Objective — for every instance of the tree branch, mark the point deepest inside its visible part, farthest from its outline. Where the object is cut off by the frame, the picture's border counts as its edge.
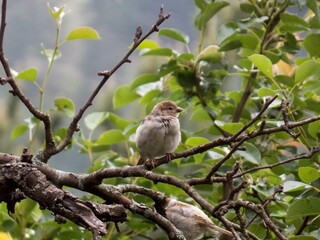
(33, 183)
(16, 91)
(73, 127)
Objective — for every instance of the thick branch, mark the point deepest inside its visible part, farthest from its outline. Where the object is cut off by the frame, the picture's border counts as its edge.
(33, 183)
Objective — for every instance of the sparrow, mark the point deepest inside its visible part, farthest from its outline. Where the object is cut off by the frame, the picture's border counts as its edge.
(159, 132)
(190, 220)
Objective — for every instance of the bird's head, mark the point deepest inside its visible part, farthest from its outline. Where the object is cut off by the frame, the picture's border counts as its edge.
(166, 108)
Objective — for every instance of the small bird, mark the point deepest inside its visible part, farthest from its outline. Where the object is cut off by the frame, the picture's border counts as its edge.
(190, 220)
(159, 132)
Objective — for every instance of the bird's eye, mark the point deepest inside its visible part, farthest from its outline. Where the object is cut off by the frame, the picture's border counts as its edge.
(170, 108)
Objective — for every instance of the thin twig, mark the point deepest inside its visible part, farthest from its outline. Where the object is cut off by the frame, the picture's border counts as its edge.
(309, 154)
(16, 91)
(73, 127)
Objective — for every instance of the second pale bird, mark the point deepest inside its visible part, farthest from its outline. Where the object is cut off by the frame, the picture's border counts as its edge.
(159, 132)
(191, 221)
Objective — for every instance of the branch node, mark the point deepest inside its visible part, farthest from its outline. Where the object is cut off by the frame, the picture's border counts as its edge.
(106, 74)
(13, 92)
(3, 81)
(138, 34)
(26, 157)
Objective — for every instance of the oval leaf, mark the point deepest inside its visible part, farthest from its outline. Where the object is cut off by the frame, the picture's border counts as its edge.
(208, 11)
(251, 154)
(121, 123)
(304, 207)
(229, 127)
(306, 70)
(195, 141)
(18, 131)
(29, 74)
(262, 63)
(293, 186)
(123, 96)
(111, 137)
(94, 119)
(311, 43)
(143, 79)
(210, 54)
(147, 43)
(200, 115)
(165, 52)
(149, 96)
(308, 174)
(314, 129)
(83, 33)
(174, 34)
(65, 105)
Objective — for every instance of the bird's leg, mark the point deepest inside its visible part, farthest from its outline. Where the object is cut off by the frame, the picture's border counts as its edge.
(169, 156)
(150, 164)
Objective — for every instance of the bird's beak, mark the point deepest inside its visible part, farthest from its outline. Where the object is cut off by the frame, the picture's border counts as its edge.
(179, 110)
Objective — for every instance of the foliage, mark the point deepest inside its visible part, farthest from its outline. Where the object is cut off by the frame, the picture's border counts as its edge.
(273, 50)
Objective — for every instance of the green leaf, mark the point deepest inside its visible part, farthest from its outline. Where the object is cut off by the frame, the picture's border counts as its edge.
(208, 12)
(174, 34)
(29, 209)
(18, 131)
(314, 129)
(266, 92)
(111, 137)
(210, 54)
(56, 13)
(93, 120)
(149, 96)
(313, 5)
(143, 79)
(262, 63)
(251, 154)
(29, 74)
(306, 70)
(304, 207)
(121, 123)
(123, 96)
(165, 52)
(312, 43)
(195, 141)
(83, 33)
(303, 238)
(294, 186)
(60, 134)
(50, 54)
(308, 174)
(247, 40)
(200, 115)
(147, 44)
(292, 23)
(229, 127)
(201, 4)
(65, 105)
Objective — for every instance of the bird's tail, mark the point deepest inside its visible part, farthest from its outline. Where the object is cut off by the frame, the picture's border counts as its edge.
(214, 228)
